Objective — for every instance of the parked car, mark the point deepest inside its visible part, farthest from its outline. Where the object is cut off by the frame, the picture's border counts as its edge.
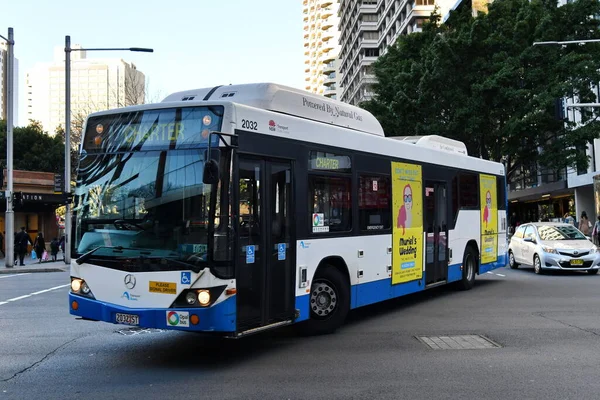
(551, 245)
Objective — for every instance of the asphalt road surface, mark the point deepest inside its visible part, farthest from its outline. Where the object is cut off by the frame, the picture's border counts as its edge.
(547, 327)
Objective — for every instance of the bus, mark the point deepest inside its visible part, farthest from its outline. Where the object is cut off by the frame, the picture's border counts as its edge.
(242, 208)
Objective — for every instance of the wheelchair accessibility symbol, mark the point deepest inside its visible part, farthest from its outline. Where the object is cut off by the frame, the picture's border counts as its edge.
(186, 278)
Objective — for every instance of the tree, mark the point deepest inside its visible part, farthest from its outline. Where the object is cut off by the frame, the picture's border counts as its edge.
(480, 80)
(34, 149)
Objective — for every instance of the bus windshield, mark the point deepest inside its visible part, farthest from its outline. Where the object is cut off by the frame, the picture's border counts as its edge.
(139, 198)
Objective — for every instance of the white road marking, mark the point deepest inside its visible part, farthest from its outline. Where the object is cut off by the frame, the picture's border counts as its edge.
(500, 275)
(33, 294)
(9, 276)
(489, 272)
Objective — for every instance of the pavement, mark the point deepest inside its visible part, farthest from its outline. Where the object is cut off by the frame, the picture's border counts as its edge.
(34, 266)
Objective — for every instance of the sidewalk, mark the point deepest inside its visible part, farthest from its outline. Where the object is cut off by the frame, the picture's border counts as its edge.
(34, 266)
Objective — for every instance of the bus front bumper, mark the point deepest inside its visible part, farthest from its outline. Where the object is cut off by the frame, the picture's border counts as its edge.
(217, 318)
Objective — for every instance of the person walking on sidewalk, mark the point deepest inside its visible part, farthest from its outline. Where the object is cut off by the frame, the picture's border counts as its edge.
(21, 241)
(40, 246)
(54, 248)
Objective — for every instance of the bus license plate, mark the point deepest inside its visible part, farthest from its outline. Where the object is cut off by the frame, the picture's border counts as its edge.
(576, 262)
(127, 319)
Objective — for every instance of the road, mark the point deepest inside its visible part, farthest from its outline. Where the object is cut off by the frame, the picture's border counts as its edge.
(548, 328)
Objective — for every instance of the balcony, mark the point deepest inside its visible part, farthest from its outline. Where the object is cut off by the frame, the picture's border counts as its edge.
(330, 90)
(328, 68)
(330, 79)
(326, 3)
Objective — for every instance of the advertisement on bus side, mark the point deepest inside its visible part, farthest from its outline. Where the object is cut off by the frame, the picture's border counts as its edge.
(407, 236)
(489, 218)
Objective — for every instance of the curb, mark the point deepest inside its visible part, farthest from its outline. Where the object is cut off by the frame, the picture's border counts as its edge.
(24, 271)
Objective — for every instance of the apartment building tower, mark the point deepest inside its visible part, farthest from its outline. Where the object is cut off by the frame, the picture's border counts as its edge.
(321, 46)
(96, 84)
(367, 29)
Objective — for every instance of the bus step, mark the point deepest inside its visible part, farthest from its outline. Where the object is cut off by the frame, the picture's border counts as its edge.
(263, 328)
(432, 285)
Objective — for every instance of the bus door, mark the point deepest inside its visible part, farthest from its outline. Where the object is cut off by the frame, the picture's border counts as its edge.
(265, 267)
(436, 232)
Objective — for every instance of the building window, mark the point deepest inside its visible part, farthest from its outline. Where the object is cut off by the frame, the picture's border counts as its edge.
(330, 204)
(374, 203)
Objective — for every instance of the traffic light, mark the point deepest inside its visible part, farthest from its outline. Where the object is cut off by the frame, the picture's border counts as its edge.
(559, 109)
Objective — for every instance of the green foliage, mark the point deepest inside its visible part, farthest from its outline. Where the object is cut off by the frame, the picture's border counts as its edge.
(33, 149)
(481, 81)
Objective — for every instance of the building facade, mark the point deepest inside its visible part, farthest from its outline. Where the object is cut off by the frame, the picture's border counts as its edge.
(96, 84)
(321, 47)
(367, 29)
(4, 85)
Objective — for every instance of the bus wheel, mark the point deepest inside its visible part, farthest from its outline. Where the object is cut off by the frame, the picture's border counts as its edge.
(469, 269)
(329, 302)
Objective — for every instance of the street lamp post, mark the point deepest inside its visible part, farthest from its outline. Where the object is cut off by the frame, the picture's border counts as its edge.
(68, 50)
(9, 220)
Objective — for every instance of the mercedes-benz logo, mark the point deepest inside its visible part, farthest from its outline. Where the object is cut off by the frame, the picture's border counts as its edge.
(129, 281)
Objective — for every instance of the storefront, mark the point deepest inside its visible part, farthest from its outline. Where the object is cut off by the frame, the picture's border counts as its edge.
(549, 202)
(34, 206)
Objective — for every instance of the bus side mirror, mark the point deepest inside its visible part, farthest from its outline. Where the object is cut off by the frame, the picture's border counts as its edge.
(210, 175)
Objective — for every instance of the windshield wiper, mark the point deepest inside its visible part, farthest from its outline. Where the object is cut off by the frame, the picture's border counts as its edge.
(86, 256)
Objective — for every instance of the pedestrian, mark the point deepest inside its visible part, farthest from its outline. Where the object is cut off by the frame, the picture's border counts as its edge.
(2, 244)
(569, 219)
(22, 240)
(596, 232)
(54, 248)
(585, 224)
(40, 246)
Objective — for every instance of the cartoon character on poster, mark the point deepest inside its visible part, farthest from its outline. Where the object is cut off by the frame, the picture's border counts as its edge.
(405, 212)
(488, 208)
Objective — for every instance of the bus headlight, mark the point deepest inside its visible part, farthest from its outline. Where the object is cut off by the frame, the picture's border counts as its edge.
(204, 297)
(76, 285)
(81, 288)
(190, 298)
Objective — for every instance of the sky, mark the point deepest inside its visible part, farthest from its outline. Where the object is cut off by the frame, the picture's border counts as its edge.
(197, 43)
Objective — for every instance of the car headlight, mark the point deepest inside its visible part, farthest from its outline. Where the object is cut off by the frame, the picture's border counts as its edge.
(549, 250)
(594, 250)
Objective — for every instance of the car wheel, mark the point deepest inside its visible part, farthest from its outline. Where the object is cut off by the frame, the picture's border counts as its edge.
(329, 302)
(511, 261)
(537, 265)
(592, 271)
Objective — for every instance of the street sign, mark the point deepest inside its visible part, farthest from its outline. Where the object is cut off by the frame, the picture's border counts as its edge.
(58, 183)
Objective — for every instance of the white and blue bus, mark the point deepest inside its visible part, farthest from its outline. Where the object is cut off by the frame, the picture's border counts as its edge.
(237, 209)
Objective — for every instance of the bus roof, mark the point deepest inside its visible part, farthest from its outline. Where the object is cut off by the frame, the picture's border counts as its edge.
(286, 100)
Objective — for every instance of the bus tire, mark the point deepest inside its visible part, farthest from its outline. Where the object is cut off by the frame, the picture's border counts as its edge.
(329, 302)
(469, 269)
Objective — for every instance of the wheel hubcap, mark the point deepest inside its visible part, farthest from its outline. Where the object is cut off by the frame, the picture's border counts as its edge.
(537, 264)
(323, 299)
(512, 259)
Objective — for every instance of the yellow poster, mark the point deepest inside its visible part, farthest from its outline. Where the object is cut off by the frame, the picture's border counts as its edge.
(489, 218)
(407, 236)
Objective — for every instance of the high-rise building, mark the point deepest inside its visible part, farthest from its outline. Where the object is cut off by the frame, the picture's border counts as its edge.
(4, 85)
(367, 29)
(96, 84)
(321, 46)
